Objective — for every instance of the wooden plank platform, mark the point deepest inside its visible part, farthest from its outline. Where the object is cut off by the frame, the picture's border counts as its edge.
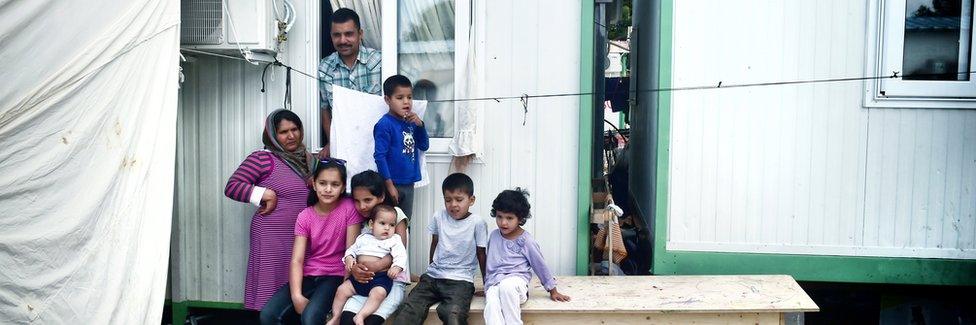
(726, 299)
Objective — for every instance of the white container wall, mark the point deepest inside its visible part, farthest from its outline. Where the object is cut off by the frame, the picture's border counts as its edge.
(221, 115)
(222, 112)
(541, 155)
(806, 169)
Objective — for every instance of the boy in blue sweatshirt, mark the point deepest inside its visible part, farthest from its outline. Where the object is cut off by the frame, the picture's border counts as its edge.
(399, 136)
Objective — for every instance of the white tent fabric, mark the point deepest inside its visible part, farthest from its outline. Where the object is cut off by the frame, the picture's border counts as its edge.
(353, 117)
(87, 158)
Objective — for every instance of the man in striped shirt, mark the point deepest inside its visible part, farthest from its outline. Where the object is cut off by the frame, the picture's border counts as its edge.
(352, 65)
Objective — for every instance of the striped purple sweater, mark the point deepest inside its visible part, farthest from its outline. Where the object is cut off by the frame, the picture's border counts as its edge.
(252, 171)
(271, 235)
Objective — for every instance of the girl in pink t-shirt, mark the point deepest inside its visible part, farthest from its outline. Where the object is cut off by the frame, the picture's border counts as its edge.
(323, 231)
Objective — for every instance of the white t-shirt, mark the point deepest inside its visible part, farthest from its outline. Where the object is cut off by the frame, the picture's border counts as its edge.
(455, 257)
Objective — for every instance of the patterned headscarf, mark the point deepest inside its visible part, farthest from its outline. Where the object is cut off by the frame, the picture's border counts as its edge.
(300, 160)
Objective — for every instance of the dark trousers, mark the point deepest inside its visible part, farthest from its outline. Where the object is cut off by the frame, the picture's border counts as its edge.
(347, 317)
(454, 297)
(320, 290)
(406, 199)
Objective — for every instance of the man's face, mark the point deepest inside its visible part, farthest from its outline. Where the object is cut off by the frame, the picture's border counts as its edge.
(346, 38)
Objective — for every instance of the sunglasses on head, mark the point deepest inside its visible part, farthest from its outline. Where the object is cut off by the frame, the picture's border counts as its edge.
(335, 160)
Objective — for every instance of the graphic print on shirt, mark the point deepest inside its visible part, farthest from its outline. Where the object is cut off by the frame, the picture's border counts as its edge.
(408, 144)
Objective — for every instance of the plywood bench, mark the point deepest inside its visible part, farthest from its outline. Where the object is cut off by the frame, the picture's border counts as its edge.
(732, 299)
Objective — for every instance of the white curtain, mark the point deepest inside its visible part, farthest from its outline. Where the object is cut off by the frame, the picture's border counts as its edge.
(370, 18)
(467, 139)
(87, 154)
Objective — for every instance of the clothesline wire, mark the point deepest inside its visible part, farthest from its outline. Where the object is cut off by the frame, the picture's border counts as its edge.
(720, 85)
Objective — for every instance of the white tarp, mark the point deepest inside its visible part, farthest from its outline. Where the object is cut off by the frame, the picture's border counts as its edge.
(353, 116)
(87, 154)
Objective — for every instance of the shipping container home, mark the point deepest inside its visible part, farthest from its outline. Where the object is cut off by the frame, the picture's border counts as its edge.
(518, 47)
(867, 180)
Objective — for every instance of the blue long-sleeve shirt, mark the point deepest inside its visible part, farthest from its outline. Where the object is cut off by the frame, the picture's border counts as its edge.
(397, 149)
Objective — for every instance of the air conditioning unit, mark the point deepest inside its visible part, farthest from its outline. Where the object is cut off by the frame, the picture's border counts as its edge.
(253, 29)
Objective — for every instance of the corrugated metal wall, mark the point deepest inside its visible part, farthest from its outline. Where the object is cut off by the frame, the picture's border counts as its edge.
(806, 169)
(222, 111)
(221, 115)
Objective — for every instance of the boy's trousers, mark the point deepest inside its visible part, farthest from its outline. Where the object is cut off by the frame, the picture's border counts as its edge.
(406, 199)
(454, 298)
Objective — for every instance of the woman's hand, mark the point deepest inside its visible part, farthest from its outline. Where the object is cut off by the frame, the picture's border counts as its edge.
(268, 201)
(300, 303)
(361, 273)
(556, 296)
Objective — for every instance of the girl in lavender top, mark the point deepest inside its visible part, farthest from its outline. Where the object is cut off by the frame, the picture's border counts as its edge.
(512, 257)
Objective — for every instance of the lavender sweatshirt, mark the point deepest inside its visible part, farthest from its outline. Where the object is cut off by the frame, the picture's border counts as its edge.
(518, 257)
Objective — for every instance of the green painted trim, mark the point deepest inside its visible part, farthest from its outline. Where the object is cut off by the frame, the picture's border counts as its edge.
(823, 268)
(179, 313)
(663, 138)
(802, 267)
(585, 134)
(213, 304)
(181, 309)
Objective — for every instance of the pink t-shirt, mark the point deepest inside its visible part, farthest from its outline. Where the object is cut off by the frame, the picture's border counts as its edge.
(326, 237)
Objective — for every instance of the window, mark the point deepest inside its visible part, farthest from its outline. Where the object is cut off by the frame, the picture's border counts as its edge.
(426, 55)
(929, 44)
(417, 40)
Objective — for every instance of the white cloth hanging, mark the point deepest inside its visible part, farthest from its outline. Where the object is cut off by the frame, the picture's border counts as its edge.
(468, 138)
(353, 117)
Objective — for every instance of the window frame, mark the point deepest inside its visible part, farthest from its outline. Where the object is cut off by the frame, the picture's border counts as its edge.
(884, 54)
(390, 39)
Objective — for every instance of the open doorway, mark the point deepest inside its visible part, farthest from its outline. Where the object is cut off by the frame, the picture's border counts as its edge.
(621, 238)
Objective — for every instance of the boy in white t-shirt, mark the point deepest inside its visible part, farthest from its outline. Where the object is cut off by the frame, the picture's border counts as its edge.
(457, 248)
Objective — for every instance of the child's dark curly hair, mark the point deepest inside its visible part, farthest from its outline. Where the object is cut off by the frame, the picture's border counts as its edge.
(513, 201)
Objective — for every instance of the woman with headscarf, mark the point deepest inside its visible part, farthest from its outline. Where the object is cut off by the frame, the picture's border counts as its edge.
(276, 180)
